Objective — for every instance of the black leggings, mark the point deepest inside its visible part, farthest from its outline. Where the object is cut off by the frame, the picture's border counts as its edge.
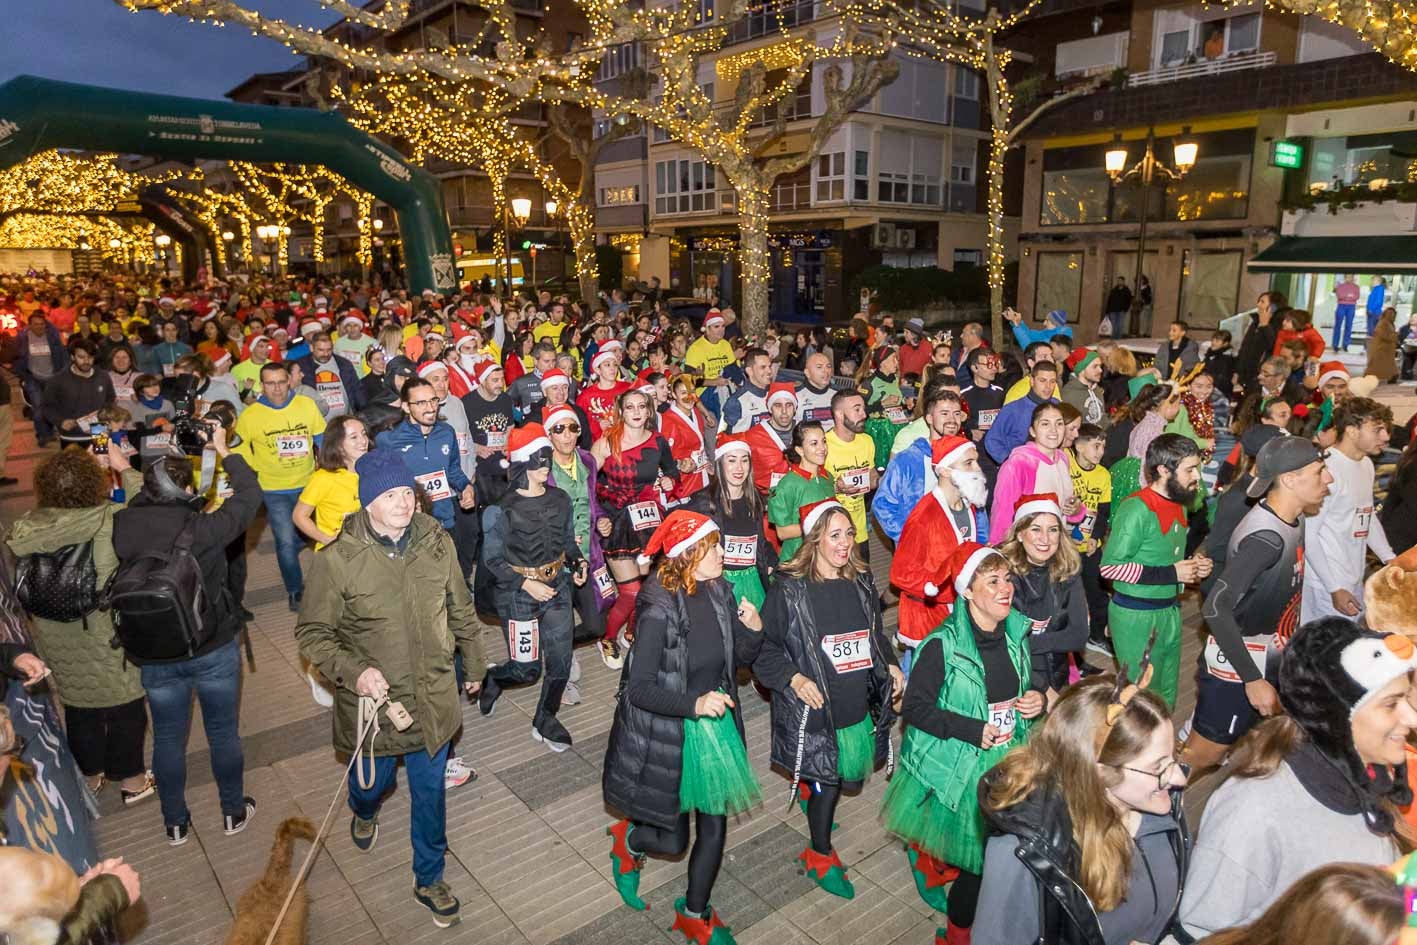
(964, 899)
(710, 834)
(821, 811)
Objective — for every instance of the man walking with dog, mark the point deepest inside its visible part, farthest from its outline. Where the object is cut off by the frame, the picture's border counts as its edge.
(395, 645)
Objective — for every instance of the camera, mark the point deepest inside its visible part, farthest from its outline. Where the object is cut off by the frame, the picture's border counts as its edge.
(191, 433)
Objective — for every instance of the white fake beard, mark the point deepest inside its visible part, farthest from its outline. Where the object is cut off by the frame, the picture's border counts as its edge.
(972, 486)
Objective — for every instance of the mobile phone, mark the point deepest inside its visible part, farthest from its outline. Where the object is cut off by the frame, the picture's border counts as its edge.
(99, 432)
(1311, 369)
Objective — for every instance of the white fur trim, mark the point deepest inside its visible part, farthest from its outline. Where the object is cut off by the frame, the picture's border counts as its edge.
(949, 458)
(1327, 376)
(428, 367)
(714, 321)
(601, 357)
(732, 446)
(931, 589)
(643, 560)
(1038, 505)
(525, 451)
(781, 395)
(814, 516)
(706, 528)
(962, 582)
(554, 379)
(563, 412)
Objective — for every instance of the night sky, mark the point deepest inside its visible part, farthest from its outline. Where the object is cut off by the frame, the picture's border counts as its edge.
(100, 43)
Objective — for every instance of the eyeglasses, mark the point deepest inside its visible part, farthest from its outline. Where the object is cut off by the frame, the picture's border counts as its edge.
(1163, 777)
(422, 403)
(560, 428)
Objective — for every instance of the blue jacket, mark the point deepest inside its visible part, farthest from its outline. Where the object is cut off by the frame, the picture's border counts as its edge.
(1010, 427)
(1026, 336)
(423, 455)
(349, 378)
(57, 352)
(1377, 294)
(904, 484)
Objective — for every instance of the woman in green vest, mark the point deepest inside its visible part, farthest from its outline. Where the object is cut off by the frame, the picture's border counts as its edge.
(806, 482)
(969, 700)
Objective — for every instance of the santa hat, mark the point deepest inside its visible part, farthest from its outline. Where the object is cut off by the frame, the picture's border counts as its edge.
(1035, 504)
(524, 442)
(1332, 371)
(601, 357)
(562, 413)
(678, 533)
(810, 515)
(553, 377)
(310, 326)
(461, 334)
(224, 359)
(966, 561)
(727, 443)
(321, 302)
(781, 391)
(612, 344)
(713, 319)
(1079, 360)
(167, 300)
(483, 370)
(352, 316)
(431, 367)
(948, 450)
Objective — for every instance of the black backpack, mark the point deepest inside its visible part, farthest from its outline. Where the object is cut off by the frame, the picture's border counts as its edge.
(158, 602)
(58, 585)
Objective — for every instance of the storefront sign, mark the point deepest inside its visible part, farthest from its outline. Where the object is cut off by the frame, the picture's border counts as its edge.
(821, 239)
(1288, 154)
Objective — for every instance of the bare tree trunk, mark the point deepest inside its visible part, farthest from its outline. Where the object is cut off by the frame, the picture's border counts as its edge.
(754, 256)
(1000, 100)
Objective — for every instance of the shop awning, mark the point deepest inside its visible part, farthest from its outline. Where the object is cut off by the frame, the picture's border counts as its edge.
(1379, 255)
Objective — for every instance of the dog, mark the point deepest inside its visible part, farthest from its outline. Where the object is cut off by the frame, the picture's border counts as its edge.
(259, 905)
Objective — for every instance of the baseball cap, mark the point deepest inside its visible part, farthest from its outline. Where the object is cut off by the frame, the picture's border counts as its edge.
(1279, 456)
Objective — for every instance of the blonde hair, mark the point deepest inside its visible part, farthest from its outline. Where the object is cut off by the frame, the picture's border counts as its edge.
(1338, 904)
(1065, 562)
(1120, 360)
(39, 890)
(677, 574)
(802, 564)
(1065, 752)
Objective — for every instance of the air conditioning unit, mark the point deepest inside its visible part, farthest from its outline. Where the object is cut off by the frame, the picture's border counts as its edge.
(883, 236)
(728, 201)
(905, 238)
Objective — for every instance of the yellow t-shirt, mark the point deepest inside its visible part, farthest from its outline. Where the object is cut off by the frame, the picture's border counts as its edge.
(1019, 389)
(548, 332)
(707, 358)
(332, 495)
(280, 444)
(853, 461)
(1094, 487)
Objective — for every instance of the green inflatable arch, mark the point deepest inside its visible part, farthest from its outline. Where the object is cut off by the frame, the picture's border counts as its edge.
(39, 114)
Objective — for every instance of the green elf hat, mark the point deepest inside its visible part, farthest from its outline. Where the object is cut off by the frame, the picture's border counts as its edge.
(1079, 360)
(1140, 383)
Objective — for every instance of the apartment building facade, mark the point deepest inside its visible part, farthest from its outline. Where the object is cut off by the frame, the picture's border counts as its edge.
(1282, 109)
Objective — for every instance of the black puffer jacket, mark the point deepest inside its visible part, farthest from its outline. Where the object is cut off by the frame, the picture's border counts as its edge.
(644, 759)
(796, 648)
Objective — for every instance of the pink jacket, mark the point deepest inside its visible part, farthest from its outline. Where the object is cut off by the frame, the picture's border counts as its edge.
(1028, 471)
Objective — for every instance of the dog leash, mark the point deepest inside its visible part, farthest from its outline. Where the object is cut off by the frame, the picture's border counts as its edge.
(368, 725)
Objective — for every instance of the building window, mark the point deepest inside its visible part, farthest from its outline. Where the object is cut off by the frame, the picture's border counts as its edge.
(704, 9)
(1058, 283)
(831, 177)
(962, 168)
(619, 60)
(892, 188)
(861, 179)
(1210, 286)
(966, 83)
(909, 169)
(968, 257)
(619, 196)
(683, 186)
(797, 104)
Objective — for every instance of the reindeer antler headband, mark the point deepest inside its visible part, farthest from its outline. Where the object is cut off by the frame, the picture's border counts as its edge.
(1125, 690)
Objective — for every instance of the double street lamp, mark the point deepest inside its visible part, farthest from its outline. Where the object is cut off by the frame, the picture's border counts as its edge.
(271, 235)
(1145, 173)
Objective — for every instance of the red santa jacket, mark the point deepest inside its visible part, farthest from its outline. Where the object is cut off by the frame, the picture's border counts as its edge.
(687, 435)
(769, 455)
(920, 568)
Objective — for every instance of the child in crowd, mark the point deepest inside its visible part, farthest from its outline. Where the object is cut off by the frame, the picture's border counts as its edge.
(1092, 484)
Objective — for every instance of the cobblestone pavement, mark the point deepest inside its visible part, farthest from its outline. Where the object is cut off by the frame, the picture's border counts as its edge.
(528, 853)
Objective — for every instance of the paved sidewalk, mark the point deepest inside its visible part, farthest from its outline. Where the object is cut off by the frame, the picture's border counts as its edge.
(529, 856)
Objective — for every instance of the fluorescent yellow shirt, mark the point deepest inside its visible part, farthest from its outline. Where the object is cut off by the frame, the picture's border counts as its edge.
(853, 461)
(1019, 390)
(248, 375)
(280, 444)
(549, 332)
(1094, 487)
(709, 359)
(332, 495)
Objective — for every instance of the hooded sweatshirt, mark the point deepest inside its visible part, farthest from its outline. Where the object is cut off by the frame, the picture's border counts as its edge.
(1029, 471)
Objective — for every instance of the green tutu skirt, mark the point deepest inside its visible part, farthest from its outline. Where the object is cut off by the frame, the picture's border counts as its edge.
(716, 778)
(882, 432)
(746, 584)
(856, 750)
(912, 811)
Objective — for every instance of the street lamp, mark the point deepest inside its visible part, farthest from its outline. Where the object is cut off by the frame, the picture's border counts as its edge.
(521, 213)
(163, 241)
(1145, 173)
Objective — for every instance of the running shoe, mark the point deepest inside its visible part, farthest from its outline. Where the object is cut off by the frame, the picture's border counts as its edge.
(440, 901)
(553, 734)
(456, 773)
(235, 823)
(177, 834)
(612, 655)
(572, 695)
(363, 832)
(487, 695)
(1103, 646)
(148, 789)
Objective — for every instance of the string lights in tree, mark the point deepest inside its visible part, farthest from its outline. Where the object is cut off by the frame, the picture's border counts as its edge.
(58, 182)
(76, 232)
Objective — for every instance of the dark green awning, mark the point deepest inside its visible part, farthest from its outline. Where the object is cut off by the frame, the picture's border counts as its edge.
(1378, 255)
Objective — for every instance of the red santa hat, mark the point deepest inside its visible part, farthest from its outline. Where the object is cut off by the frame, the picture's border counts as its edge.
(224, 359)
(810, 515)
(461, 334)
(781, 391)
(727, 443)
(553, 377)
(352, 316)
(966, 560)
(1332, 371)
(713, 319)
(948, 450)
(310, 326)
(431, 367)
(612, 344)
(601, 357)
(1035, 503)
(562, 413)
(524, 442)
(483, 370)
(678, 533)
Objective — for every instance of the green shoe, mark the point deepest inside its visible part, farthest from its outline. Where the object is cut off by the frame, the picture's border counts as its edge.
(627, 866)
(707, 929)
(931, 878)
(828, 872)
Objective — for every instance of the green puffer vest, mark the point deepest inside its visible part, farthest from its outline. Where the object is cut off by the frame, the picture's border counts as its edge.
(952, 766)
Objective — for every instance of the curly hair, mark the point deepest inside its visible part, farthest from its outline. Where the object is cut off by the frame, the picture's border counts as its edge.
(70, 479)
(677, 574)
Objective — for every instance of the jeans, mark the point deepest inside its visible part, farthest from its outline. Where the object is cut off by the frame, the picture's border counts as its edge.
(428, 821)
(1373, 321)
(1343, 325)
(279, 508)
(34, 393)
(216, 678)
(553, 641)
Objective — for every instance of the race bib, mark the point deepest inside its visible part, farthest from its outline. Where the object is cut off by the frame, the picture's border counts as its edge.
(87, 421)
(848, 652)
(774, 479)
(897, 415)
(1089, 519)
(856, 480)
(524, 640)
(464, 443)
(123, 393)
(1039, 626)
(604, 583)
(497, 439)
(435, 484)
(643, 515)
(333, 395)
(698, 458)
(1362, 518)
(157, 442)
(986, 419)
(223, 487)
(292, 447)
(740, 551)
(1221, 668)
(1004, 717)
(167, 370)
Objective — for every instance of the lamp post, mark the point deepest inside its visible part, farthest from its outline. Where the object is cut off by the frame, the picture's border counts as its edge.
(551, 208)
(521, 214)
(163, 241)
(371, 225)
(1145, 173)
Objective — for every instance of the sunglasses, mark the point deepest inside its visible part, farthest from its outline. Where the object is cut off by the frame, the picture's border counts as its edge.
(560, 428)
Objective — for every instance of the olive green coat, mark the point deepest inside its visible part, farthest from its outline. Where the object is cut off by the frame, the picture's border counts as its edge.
(88, 672)
(367, 605)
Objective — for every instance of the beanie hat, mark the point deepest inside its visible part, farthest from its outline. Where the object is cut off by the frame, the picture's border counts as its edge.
(727, 443)
(810, 515)
(948, 450)
(553, 377)
(1034, 504)
(966, 560)
(1057, 317)
(781, 390)
(1332, 371)
(550, 416)
(1080, 359)
(431, 367)
(380, 470)
(678, 533)
(1140, 383)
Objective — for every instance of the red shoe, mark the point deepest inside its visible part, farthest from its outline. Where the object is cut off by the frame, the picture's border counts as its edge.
(697, 929)
(954, 935)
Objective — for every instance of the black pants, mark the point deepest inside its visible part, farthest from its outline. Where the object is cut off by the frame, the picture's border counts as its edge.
(821, 811)
(467, 537)
(1096, 594)
(550, 648)
(964, 899)
(108, 741)
(592, 624)
(710, 834)
(236, 570)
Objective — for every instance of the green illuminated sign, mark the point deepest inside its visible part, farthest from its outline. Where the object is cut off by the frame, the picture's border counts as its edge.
(1288, 154)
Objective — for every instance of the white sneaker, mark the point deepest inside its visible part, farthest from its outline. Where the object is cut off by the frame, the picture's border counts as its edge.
(611, 655)
(456, 773)
(323, 696)
(572, 695)
(575, 676)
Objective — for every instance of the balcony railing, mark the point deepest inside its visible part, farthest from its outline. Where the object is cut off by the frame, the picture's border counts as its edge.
(1233, 63)
(791, 195)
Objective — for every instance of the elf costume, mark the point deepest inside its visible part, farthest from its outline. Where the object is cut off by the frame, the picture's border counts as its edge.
(1147, 540)
(797, 489)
